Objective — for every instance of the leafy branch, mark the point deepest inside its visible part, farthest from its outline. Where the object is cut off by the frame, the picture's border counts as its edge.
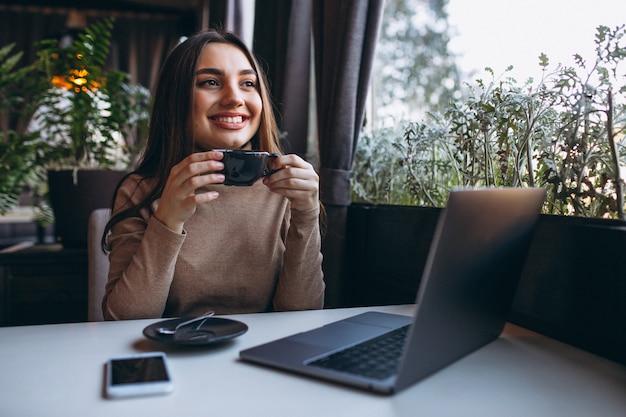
(565, 132)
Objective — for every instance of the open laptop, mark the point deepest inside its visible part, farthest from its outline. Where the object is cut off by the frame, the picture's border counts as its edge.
(468, 284)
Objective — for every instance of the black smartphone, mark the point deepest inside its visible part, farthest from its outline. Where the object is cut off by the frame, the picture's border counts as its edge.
(138, 375)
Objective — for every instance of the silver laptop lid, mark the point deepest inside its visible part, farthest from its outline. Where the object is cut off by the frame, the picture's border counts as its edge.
(469, 280)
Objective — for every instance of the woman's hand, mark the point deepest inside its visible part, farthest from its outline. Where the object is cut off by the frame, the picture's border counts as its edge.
(180, 196)
(296, 180)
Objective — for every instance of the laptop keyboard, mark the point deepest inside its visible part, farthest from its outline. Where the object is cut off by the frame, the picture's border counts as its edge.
(377, 358)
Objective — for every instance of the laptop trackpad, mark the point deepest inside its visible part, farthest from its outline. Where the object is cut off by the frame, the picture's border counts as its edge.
(339, 334)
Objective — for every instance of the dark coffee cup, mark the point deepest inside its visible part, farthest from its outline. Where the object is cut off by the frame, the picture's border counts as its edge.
(245, 167)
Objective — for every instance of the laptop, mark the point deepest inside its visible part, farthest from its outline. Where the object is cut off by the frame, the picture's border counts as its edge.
(468, 284)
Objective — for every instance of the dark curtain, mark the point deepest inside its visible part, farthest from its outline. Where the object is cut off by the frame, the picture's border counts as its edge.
(282, 42)
(141, 45)
(139, 48)
(228, 14)
(140, 42)
(345, 34)
(23, 29)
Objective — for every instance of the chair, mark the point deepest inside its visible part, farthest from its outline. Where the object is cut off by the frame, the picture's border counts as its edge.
(98, 264)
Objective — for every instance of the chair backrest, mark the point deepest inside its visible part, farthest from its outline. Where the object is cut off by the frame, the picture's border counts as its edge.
(98, 264)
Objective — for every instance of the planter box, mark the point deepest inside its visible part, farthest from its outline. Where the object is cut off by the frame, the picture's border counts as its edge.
(73, 202)
(573, 286)
(386, 252)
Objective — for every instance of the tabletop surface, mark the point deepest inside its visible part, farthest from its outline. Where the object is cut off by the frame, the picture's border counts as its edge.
(58, 370)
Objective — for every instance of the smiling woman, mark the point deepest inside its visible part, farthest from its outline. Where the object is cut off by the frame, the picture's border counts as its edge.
(180, 241)
(227, 104)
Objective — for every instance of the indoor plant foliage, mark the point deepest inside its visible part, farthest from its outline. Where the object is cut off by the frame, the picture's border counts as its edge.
(88, 113)
(564, 132)
(15, 151)
(19, 92)
(88, 123)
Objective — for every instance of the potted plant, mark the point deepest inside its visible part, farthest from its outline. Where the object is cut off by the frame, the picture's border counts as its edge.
(87, 120)
(566, 133)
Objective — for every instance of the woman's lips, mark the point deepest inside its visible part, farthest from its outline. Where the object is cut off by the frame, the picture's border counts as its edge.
(230, 122)
(228, 119)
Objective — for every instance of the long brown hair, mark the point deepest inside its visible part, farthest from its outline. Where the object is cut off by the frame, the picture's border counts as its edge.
(170, 139)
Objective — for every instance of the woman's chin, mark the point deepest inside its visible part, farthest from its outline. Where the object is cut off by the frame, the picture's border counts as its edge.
(238, 144)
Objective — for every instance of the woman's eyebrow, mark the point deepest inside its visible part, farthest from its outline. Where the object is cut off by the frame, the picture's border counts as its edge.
(247, 72)
(216, 71)
(212, 71)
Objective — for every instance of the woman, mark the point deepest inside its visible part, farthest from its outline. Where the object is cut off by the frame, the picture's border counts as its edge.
(181, 242)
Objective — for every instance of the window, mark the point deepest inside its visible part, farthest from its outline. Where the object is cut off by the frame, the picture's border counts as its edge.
(428, 48)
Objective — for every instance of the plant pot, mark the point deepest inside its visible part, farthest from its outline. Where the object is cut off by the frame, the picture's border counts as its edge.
(73, 201)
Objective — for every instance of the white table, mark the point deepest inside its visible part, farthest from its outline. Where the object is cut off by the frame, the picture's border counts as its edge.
(57, 370)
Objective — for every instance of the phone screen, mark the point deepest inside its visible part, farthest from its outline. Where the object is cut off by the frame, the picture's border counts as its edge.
(138, 370)
(141, 374)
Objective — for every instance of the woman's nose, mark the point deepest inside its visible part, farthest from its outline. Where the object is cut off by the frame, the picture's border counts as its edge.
(232, 96)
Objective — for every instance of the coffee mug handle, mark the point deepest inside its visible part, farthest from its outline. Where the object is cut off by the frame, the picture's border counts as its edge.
(268, 172)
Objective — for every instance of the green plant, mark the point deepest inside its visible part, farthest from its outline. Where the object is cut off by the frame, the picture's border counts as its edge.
(88, 111)
(19, 90)
(565, 133)
(415, 170)
(373, 177)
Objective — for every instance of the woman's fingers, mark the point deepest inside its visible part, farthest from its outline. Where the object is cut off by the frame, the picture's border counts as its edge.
(296, 180)
(182, 192)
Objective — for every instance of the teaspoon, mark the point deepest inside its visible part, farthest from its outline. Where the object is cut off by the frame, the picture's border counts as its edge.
(203, 318)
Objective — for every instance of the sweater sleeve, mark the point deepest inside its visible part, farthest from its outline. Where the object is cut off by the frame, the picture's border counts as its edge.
(301, 283)
(142, 263)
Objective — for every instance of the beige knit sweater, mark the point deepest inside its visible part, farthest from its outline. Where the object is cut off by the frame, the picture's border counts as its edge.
(244, 252)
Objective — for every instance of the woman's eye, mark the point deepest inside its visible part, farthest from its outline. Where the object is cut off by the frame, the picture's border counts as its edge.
(209, 82)
(249, 83)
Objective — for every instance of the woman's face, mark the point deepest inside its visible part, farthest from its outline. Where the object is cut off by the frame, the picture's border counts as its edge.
(226, 104)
